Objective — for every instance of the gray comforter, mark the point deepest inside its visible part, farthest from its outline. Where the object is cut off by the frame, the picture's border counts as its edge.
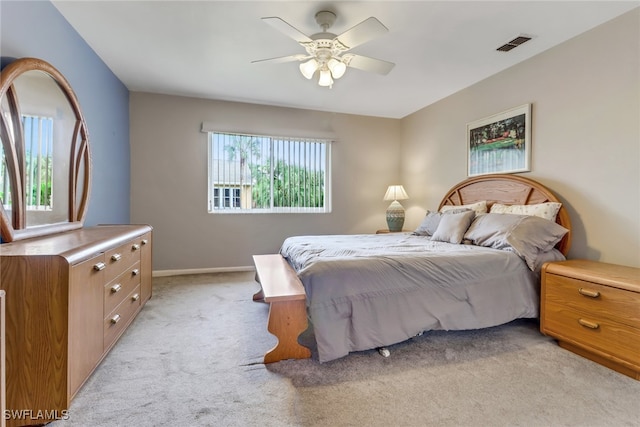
(368, 291)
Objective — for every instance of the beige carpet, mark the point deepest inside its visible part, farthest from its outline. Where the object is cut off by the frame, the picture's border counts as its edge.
(193, 358)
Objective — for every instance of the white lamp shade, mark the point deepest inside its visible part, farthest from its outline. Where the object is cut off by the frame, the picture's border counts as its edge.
(395, 192)
(337, 68)
(325, 78)
(309, 68)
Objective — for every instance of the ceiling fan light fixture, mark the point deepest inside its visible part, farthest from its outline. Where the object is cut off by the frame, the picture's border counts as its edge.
(325, 78)
(337, 68)
(326, 53)
(309, 68)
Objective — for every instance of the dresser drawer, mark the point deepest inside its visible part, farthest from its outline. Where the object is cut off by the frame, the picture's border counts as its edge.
(592, 331)
(117, 290)
(119, 259)
(118, 319)
(600, 301)
(85, 321)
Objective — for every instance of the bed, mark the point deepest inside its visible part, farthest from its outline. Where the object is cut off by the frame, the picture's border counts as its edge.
(470, 269)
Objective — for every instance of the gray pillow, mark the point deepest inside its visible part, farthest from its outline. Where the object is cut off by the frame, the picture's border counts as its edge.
(431, 220)
(527, 235)
(452, 226)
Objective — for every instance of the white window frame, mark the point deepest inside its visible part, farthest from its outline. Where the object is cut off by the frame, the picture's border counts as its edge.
(227, 200)
(324, 165)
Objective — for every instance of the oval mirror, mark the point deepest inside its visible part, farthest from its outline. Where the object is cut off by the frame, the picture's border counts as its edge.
(45, 166)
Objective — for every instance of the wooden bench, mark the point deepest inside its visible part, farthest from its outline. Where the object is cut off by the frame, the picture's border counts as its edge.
(282, 290)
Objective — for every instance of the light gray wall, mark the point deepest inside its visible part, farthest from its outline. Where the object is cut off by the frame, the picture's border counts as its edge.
(169, 179)
(36, 29)
(586, 147)
(585, 97)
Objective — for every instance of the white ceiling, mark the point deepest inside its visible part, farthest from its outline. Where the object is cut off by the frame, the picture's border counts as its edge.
(204, 48)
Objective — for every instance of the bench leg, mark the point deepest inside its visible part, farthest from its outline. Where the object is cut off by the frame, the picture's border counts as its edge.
(287, 320)
(259, 296)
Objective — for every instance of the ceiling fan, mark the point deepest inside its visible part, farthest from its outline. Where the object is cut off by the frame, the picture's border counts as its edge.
(327, 53)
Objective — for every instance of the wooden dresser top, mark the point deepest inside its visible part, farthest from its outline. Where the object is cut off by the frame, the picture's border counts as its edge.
(76, 245)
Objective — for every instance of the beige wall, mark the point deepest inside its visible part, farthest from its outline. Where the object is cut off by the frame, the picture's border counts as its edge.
(169, 178)
(585, 97)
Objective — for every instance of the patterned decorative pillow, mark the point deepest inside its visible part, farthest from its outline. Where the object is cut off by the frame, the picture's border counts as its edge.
(548, 210)
(478, 207)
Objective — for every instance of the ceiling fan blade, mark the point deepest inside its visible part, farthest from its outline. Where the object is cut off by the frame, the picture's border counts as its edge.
(287, 29)
(365, 63)
(367, 30)
(280, 59)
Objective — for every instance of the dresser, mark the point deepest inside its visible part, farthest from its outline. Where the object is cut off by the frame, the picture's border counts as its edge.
(3, 393)
(69, 297)
(593, 309)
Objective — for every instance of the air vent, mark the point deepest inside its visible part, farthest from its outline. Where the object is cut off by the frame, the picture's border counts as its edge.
(513, 43)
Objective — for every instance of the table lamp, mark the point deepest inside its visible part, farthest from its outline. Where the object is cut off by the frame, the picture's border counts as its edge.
(395, 211)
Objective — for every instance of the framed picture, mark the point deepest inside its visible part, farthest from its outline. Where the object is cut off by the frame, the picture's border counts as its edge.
(500, 143)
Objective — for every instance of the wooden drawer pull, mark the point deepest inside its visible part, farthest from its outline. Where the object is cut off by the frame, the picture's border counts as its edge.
(115, 319)
(588, 293)
(99, 266)
(588, 324)
(116, 257)
(136, 297)
(135, 247)
(135, 272)
(115, 288)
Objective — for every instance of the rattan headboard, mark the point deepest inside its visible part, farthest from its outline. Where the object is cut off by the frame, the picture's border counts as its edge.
(508, 190)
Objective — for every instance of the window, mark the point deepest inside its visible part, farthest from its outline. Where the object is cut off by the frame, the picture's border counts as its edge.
(226, 198)
(252, 173)
(38, 136)
(38, 162)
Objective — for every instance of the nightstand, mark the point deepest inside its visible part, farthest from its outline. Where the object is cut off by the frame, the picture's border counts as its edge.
(593, 309)
(385, 231)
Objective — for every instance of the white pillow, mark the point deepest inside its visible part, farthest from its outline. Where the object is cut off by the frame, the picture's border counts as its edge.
(478, 207)
(548, 210)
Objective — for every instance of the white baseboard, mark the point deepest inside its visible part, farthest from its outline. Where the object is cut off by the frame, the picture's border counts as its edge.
(162, 273)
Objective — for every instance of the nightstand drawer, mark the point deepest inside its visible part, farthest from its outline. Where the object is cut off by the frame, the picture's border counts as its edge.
(593, 332)
(600, 301)
(593, 309)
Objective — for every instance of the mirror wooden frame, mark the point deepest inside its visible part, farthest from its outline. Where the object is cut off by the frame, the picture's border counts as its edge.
(15, 227)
